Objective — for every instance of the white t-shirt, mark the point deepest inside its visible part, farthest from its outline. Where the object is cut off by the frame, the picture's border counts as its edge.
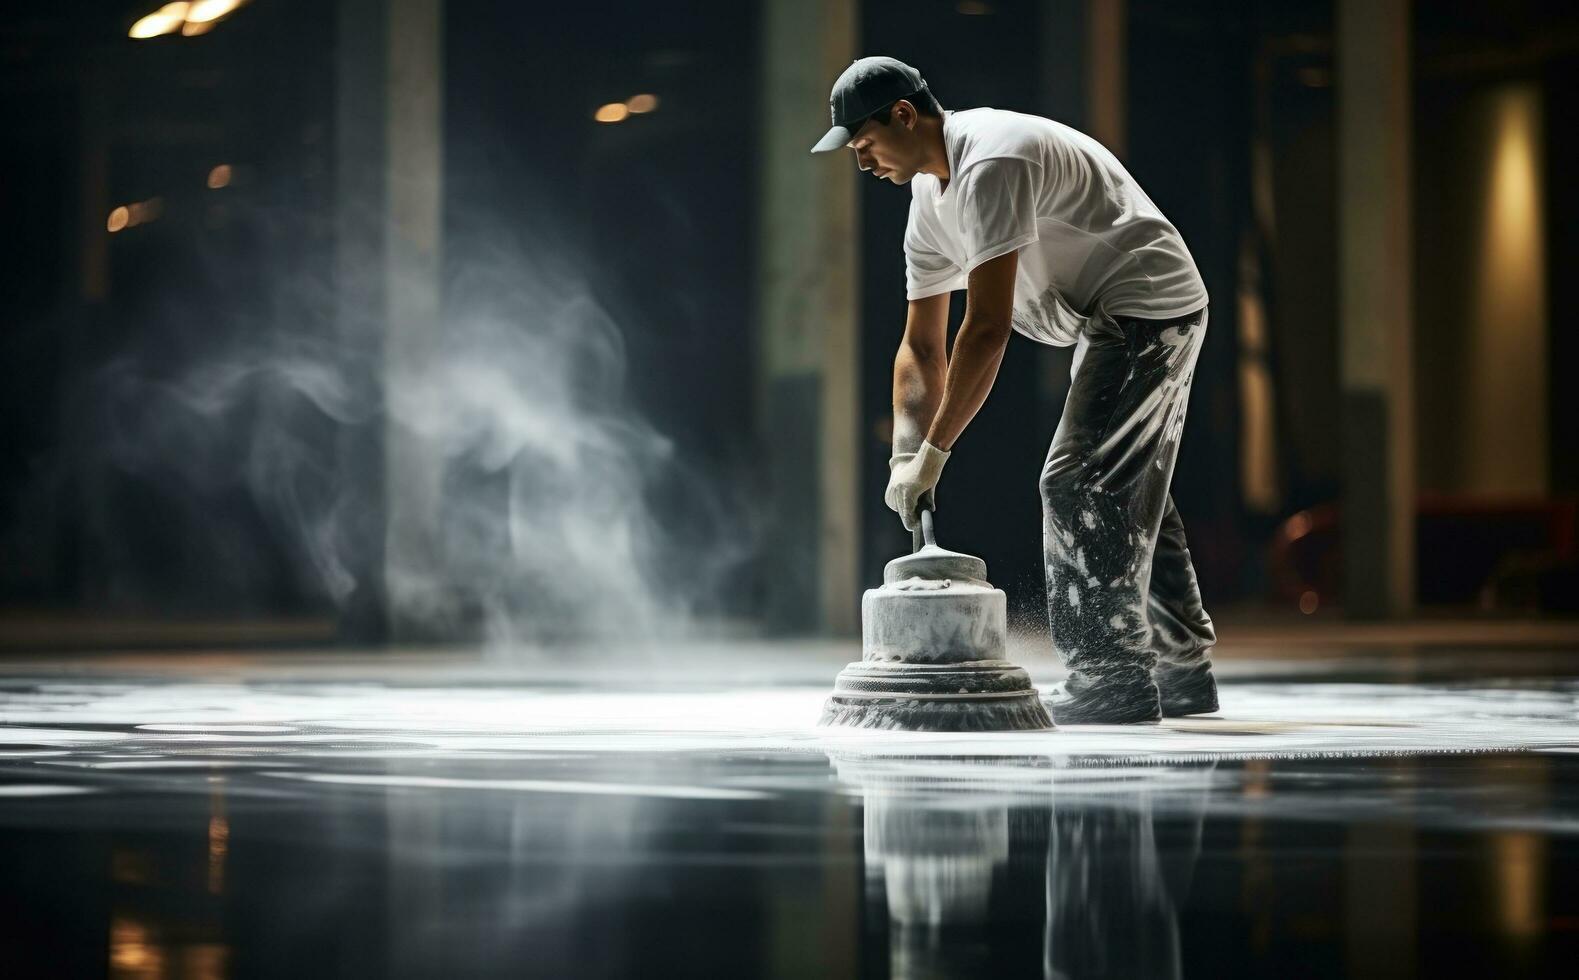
(1089, 237)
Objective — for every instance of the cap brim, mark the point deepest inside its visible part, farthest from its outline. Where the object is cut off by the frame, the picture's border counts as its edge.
(837, 137)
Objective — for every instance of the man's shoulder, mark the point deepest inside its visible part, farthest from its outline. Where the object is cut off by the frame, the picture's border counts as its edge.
(989, 117)
(994, 134)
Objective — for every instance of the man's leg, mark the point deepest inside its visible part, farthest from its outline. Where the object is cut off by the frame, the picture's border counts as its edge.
(1181, 631)
(1104, 493)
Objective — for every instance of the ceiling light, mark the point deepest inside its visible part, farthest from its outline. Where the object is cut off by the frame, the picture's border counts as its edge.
(208, 11)
(166, 20)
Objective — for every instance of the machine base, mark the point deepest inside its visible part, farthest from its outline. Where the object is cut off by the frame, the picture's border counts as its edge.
(979, 696)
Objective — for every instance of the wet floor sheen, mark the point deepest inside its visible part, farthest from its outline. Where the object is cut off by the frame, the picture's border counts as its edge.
(165, 826)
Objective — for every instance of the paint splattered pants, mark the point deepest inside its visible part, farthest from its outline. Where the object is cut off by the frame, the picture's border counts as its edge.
(1121, 592)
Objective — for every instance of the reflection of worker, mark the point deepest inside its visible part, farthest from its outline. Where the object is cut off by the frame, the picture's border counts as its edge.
(944, 850)
(1049, 235)
(1119, 868)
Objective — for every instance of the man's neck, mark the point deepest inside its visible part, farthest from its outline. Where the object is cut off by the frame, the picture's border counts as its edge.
(936, 162)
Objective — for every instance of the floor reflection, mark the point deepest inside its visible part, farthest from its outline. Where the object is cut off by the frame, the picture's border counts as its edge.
(1116, 855)
(374, 829)
(1118, 876)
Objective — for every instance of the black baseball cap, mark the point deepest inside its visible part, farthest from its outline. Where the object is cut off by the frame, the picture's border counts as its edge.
(865, 87)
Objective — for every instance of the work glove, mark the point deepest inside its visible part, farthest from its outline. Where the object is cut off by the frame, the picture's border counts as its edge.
(912, 480)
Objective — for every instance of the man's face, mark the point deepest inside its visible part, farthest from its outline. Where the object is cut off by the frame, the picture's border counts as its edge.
(890, 152)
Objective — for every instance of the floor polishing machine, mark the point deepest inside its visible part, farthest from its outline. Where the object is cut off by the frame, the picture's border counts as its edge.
(933, 651)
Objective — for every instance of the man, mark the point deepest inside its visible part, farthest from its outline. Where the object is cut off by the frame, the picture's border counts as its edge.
(1050, 235)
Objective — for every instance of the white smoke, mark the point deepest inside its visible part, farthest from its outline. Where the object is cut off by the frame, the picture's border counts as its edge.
(547, 514)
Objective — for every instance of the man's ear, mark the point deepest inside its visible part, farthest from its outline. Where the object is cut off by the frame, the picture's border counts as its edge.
(905, 113)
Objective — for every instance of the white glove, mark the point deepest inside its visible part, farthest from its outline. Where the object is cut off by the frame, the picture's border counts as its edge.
(912, 476)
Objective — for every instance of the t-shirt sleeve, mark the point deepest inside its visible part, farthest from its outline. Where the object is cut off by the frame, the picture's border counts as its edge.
(997, 207)
(927, 271)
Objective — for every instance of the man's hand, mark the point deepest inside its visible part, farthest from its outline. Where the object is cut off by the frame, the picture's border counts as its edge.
(913, 476)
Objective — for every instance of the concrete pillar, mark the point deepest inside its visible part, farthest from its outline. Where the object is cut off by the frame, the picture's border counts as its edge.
(360, 151)
(1107, 96)
(807, 395)
(85, 537)
(414, 95)
(93, 134)
(1375, 307)
(389, 180)
(1083, 67)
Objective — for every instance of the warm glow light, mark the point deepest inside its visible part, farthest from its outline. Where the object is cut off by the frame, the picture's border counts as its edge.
(1512, 205)
(1505, 438)
(165, 20)
(218, 846)
(1308, 601)
(973, 8)
(133, 951)
(612, 113)
(1298, 526)
(1258, 779)
(145, 211)
(1521, 883)
(645, 102)
(132, 215)
(191, 19)
(1257, 431)
(219, 177)
(208, 11)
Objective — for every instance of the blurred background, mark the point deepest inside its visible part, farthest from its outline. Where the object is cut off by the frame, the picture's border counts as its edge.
(403, 320)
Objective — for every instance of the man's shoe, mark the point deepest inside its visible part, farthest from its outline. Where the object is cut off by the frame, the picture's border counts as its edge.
(1109, 703)
(1186, 690)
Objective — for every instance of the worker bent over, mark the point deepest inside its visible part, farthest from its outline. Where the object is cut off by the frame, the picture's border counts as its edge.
(1050, 235)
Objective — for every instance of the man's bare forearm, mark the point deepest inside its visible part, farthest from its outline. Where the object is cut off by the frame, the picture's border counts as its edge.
(919, 379)
(972, 369)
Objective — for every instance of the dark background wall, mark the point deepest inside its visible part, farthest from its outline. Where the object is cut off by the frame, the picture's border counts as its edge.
(98, 514)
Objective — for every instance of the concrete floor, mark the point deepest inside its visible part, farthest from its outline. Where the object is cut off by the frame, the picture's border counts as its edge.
(1384, 804)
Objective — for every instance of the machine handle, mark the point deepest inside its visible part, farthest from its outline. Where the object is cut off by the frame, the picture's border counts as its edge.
(924, 534)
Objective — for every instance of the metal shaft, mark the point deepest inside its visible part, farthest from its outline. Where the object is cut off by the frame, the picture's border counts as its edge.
(924, 534)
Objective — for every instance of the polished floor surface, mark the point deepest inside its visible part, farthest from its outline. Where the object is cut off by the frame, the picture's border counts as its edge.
(1390, 813)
